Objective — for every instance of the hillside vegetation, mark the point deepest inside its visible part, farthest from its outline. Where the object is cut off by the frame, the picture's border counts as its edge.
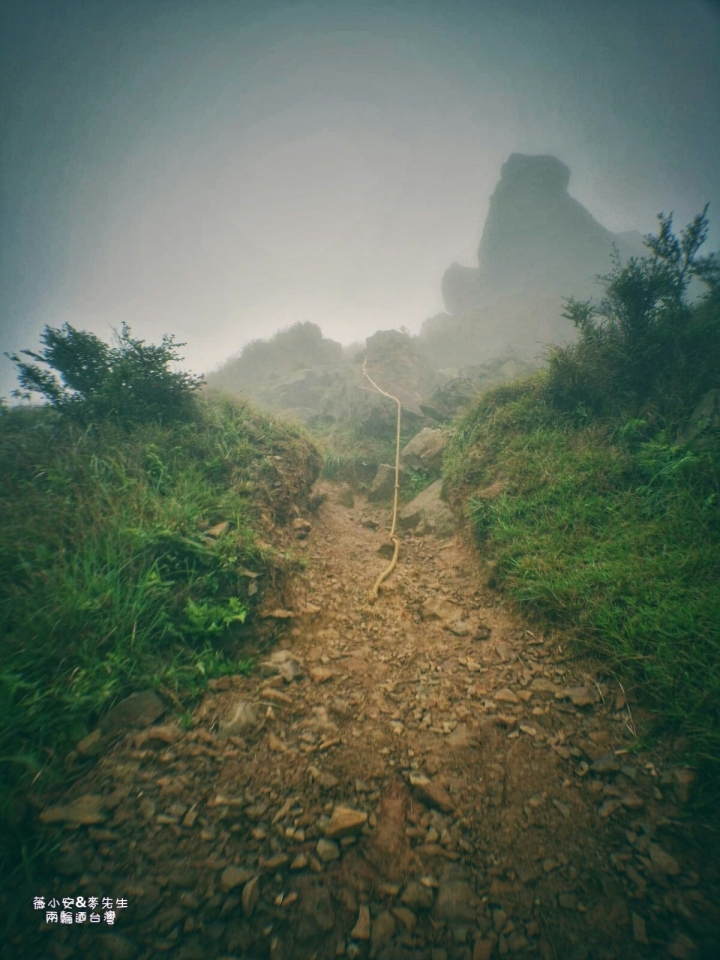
(131, 548)
(606, 520)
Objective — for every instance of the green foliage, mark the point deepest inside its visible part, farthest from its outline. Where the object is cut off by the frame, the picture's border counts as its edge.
(645, 348)
(415, 482)
(353, 452)
(86, 379)
(612, 531)
(608, 524)
(109, 579)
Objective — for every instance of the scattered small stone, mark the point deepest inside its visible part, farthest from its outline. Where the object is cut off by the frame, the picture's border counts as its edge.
(506, 696)
(250, 896)
(432, 792)
(580, 696)
(482, 949)
(218, 530)
(321, 674)
(301, 527)
(300, 862)
(85, 810)
(234, 877)
(276, 744)
(416, 896)
(663, 861)
(609, 807)
(274, 863)
(606, 764)
(383, 930)
(237, 719)
(406, 917)
(455, 901)
(327, 850)
(344, 822)
(361, 930)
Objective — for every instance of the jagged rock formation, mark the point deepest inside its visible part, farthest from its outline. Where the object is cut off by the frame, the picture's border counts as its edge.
(538, 246)
(537, 239)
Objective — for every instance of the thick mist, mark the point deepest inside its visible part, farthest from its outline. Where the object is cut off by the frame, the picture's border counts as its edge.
(220, 171)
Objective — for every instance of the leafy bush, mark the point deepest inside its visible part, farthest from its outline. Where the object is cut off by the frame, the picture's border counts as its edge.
(85, 378)
(646, 347)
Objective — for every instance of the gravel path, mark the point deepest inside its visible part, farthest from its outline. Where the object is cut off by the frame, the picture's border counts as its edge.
(425, 777)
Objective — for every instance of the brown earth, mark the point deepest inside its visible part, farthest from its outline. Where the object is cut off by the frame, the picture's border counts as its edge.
(424, 777)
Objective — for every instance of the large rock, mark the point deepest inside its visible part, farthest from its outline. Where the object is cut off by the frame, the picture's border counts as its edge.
(383, 486)
(425, 451)
(428, 513)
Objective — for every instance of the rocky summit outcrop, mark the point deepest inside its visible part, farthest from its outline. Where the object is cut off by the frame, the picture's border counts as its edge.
(538, 245)
(537, 239)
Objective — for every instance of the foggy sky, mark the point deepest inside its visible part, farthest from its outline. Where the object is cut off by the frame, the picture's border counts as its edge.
(218, 170)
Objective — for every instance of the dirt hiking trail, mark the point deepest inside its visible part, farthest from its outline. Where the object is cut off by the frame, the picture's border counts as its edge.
(424, 778)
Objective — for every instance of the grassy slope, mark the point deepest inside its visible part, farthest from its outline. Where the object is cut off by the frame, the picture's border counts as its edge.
(108, 581)
(613, 536)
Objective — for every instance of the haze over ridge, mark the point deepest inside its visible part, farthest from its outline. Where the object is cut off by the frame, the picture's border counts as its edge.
(225, 171)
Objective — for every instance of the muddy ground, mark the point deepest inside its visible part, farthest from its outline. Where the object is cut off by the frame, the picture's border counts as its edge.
(423, 777)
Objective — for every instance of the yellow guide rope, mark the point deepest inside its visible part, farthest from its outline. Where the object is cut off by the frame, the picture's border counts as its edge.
(375, 592)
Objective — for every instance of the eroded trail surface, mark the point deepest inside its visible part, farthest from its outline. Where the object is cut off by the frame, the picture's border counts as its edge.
(419, 778)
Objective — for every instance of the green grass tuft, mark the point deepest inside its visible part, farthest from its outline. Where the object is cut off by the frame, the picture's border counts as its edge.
(109, 580)
(609, 529)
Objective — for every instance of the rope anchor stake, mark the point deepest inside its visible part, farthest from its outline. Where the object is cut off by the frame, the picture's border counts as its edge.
(395, 539)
